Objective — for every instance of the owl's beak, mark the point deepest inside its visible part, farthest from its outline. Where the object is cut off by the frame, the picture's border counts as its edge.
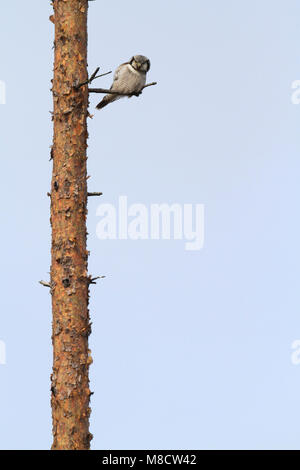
(138, 64)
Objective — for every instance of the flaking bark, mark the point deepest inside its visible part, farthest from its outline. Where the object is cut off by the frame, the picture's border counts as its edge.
(70, 393)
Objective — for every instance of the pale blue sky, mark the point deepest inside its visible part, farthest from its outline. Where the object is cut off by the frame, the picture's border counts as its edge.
(191, 349)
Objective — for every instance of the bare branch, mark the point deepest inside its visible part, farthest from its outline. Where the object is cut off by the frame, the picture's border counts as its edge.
(92, 280)
(92, 77)
(94, 194)
(94, 74)
(149, 84)
(45, 284)
(111, 92)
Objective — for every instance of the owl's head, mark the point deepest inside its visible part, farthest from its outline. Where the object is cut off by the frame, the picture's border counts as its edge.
(140, 63)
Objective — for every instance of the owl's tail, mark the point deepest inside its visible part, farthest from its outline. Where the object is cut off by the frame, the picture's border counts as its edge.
(106, 100)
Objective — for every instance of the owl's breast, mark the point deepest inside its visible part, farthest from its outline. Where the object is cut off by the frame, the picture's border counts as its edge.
(129, 80)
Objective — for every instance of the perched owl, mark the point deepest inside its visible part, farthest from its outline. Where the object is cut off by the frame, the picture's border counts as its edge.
(129, 78)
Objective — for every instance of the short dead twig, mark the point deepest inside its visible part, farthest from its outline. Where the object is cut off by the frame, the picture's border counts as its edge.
(94, 194)
(45, 284)
(92, 77)
(92, 280)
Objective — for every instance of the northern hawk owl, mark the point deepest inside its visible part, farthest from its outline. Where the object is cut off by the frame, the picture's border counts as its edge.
(129, 78)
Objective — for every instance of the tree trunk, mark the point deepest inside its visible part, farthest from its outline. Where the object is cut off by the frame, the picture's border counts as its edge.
(69, 279)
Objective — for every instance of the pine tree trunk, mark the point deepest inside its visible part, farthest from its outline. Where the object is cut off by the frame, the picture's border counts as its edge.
(69, 279)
